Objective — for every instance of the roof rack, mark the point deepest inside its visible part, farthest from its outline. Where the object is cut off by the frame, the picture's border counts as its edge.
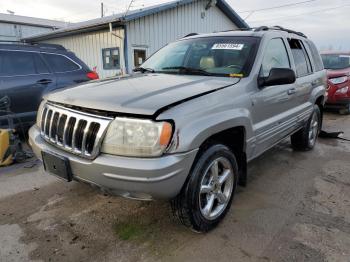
(276, 27)
(190, 34)
(39, 45)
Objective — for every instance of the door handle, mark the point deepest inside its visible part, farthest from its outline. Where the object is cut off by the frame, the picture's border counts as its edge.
(292, 91)
(44, 81)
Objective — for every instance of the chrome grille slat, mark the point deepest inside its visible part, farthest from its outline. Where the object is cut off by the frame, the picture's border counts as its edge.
(85, 134)
(80, 130)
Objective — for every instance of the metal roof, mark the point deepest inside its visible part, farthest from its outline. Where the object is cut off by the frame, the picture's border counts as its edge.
(26, 20)
(132, 15)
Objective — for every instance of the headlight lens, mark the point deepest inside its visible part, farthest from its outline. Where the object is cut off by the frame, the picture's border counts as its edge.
(338, 80)
(343, 90)
(135, 137)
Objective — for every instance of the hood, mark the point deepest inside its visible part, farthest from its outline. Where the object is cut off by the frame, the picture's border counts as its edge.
(332, 73)
(143, 94)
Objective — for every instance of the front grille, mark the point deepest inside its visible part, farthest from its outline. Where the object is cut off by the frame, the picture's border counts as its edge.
(73, 131)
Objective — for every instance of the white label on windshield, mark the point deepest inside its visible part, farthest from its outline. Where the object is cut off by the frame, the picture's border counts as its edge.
(229, 46)
(345, 56)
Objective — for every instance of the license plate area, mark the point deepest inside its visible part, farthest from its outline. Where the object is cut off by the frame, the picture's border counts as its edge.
(57, 165)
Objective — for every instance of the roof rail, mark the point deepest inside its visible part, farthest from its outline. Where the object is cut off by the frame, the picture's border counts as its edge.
(190, 34)
(49, 46)
(39, 45)
(276, 27)
(233, 30)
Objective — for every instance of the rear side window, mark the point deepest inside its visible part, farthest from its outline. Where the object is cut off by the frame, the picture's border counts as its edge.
(17, 63)
(276, 56)
(60, 63)
(301, 59)
(41, 67)
(318, 64)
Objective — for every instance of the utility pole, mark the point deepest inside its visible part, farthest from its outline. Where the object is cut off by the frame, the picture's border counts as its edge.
(102, 11)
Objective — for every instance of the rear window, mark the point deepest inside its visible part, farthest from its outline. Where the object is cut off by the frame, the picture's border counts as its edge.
(318, 64)
(17, 63)
(302, 62)
(336, 61)
(60, 63)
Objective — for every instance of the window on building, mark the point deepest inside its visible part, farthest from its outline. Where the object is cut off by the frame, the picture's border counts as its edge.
(17, 63)
(60, 63)
(301, 59)
(276, 56)
(111, 58)
(139, 57)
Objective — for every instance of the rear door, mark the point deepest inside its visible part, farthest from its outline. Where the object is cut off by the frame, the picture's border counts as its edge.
(24, 77)
(305, 79)
(273, 106)
(67, 71)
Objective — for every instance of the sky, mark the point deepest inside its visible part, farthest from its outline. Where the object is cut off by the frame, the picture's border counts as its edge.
(326, 22)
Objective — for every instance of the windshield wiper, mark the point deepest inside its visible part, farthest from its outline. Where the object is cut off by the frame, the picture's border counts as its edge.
(189, 70)
(144, 70)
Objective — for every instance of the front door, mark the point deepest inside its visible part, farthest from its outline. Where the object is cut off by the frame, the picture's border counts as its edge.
(273, 106)
(24, 77)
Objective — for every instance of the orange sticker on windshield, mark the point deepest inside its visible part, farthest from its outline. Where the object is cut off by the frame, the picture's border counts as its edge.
(236, 75)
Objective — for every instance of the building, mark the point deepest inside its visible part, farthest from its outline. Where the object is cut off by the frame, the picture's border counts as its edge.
(15, 27)
(116, 44)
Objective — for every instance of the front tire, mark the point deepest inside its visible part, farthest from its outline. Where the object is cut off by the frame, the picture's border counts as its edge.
(207, 195)
(305, 139)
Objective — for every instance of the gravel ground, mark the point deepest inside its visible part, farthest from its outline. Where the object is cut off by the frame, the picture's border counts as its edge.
(296, 207)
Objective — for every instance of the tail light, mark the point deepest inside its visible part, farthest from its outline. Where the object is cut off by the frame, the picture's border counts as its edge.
(92, 75)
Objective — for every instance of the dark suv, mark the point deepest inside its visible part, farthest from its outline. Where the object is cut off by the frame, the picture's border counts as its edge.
(27, 72)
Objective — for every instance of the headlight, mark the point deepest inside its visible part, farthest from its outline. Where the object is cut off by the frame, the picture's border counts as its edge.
(343, 90)
(39, 114)
(135, 137)
(338, 80)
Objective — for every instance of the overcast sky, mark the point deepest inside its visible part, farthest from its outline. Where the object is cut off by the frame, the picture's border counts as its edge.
(326, 22)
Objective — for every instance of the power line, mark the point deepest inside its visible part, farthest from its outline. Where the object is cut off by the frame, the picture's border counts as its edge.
(303, 14)
(277, 7)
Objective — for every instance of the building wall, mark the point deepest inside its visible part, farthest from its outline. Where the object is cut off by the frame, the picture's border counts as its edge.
(155, 31)
(14, 32)
(88, 47)
(149, 33)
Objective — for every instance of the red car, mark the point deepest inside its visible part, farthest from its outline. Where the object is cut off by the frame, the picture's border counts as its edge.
(338, 71)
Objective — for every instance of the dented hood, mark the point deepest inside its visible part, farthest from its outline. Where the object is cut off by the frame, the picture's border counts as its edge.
(143, 94)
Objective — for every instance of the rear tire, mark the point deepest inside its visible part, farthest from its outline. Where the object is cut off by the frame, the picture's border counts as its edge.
(207, 195)
(305, 139)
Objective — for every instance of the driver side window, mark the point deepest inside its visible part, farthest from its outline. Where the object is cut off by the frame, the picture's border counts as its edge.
(276, 56)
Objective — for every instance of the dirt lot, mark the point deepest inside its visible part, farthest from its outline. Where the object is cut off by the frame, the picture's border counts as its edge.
(296, 208)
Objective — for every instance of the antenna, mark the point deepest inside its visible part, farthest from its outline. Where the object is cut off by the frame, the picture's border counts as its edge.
(128, 9)
(102, 11)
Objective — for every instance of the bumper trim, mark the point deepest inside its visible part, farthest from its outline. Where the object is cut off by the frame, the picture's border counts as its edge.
(142, 179)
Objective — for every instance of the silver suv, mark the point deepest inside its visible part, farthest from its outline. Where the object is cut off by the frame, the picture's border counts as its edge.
(185, 126)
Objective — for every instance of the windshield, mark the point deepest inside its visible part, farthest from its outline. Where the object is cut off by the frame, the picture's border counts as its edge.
(336, 61)
(218, 56)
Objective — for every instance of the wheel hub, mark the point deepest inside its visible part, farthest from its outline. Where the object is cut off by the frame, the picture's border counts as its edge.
(216, 188)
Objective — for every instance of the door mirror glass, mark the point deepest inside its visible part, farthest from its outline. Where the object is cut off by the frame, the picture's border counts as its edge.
(278, 76)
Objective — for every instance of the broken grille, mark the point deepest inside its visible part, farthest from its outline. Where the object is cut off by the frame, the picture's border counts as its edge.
(76, 132)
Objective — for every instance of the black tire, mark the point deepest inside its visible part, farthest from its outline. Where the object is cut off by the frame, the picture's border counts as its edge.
(301, 140)
(187, 206)
(345, 111)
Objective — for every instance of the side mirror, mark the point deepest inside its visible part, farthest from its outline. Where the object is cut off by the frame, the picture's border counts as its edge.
(278, 76)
